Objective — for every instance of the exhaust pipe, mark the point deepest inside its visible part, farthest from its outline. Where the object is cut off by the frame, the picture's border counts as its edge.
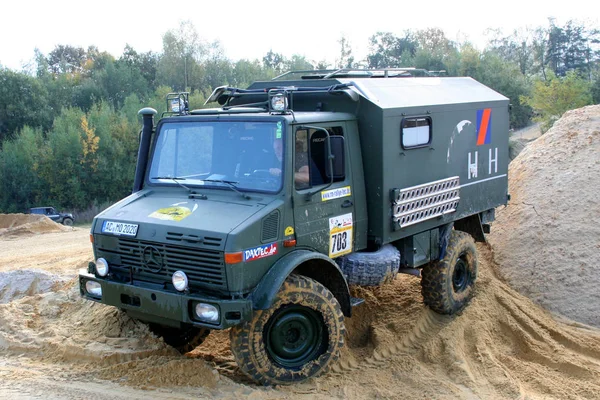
(142, 159)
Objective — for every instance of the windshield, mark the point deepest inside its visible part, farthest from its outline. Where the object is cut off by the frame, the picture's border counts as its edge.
(248, 155)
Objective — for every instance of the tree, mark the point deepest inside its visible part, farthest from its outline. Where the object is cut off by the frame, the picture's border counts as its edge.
(180, 64)
(19, 181)
(507, 79)
(274, 61)
(550, 99)
(23, 101)
(435, 51)
(65, 59)
(389, 51)
(297, 63)
(572, 48)
(346, 59)
(516, 48)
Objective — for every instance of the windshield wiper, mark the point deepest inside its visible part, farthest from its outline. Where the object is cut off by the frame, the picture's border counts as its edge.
(176, 180)
(231, 185)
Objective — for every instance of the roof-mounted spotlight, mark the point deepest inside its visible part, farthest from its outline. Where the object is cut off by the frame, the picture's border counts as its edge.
(278, 101)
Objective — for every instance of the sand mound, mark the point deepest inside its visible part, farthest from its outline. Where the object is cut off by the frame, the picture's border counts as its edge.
(62, 324)
(548, 238)
(20, 283)
(501, 346)
(17, 225)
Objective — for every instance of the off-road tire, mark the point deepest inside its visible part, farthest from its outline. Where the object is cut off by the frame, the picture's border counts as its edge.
(302, 308)
(448, 284)
(370, 269)
(67, 222)
(183, 340)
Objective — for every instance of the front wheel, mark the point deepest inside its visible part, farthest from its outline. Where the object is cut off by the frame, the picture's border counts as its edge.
(448, 284)
(296, 339)
(67, 222)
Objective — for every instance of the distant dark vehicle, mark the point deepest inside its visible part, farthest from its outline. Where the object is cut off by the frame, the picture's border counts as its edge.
(50, 212)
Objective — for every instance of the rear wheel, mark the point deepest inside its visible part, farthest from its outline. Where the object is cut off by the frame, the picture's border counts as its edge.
(182, 339)
(448, 284)
(296, 339)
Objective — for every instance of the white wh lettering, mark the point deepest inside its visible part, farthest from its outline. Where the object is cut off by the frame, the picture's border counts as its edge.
(472, 167)
(494, 161)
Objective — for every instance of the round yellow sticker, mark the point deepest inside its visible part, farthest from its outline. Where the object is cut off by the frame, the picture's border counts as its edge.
(171, 213)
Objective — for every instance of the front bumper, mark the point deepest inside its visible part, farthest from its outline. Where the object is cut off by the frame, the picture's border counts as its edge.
(162, 307)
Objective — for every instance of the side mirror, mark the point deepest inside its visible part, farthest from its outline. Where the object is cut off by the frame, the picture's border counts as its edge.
(339, 160)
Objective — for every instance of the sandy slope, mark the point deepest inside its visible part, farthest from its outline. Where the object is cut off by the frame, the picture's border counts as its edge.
(548, 238)
(503, 346)
(55, 345)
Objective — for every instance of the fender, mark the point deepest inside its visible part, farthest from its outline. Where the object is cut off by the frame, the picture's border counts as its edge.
(307, 263)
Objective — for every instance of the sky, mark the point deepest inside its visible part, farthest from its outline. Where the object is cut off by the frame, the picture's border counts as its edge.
(249, 29)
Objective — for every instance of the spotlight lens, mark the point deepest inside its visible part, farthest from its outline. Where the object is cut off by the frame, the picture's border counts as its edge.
(180, 280)
(101, 267)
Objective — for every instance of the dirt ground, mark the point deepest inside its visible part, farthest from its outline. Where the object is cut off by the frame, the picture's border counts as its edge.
(54, 345)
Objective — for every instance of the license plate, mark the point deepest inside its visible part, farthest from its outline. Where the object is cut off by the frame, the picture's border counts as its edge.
(119, 228)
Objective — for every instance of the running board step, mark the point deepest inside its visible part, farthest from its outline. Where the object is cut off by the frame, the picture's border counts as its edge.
(356, 301)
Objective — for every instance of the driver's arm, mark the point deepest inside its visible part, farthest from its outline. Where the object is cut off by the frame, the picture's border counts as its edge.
(302, 175)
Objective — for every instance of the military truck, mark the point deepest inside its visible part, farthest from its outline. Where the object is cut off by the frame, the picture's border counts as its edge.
(257, 215)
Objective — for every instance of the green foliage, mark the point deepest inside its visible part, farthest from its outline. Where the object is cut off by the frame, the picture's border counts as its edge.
(550, 99)
(23, 101)
(69, 135)
(506, 78)
(388, 51)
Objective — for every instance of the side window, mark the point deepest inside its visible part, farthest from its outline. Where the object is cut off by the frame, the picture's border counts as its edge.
(415, 132)
(310, 158)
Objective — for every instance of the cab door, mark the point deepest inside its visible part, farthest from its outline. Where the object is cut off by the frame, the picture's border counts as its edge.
(323, 210)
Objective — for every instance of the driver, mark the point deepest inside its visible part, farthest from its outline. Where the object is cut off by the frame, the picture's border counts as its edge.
(301, 177)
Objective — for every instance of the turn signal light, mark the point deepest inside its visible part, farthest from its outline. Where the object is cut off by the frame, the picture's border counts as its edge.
(289, 243)
(234, 258)
(91, 238)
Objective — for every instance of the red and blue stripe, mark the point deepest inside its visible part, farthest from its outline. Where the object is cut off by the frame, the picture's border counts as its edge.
(484, 122)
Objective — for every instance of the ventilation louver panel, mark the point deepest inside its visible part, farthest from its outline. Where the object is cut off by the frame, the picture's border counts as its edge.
(270, 227)
(420, 203)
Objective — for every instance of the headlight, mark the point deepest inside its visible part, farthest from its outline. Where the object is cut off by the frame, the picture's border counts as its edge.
(279, 102)
(93, 288)
(101, 267)
(180, 280)
(207, 312)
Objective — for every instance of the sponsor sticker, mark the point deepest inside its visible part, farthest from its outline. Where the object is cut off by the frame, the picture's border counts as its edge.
(259, 252)
(289, 231)
(335, 193)
(171, 213)
(278, 131)
(340, 235)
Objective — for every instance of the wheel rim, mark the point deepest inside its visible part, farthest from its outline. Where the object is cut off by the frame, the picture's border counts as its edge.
(294, 336)
(460, 277)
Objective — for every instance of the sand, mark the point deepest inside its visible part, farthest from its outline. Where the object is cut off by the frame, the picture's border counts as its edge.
(504, 345)
(547, 240)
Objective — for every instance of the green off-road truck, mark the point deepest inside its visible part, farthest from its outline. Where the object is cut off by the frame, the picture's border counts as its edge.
(257, 215)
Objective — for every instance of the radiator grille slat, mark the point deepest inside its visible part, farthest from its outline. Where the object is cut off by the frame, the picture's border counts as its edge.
(204, 267)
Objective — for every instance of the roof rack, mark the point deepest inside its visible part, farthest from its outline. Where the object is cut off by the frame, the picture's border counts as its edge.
(357, 73)
(224, 94)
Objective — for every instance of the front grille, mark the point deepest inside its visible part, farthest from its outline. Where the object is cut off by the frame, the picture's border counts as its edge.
(204, 268)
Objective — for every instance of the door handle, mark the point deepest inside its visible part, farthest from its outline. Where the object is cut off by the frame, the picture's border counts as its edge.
(347, 203)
